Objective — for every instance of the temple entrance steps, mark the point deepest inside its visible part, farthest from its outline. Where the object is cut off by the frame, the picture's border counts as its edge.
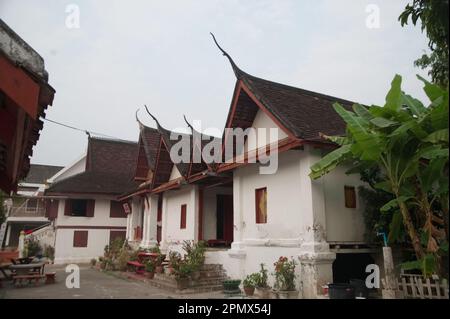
(210, 279)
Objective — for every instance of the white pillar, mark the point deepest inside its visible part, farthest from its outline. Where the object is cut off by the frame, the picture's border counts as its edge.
(129, 230)
(315, 257)
(194, 199)
(238, 221)
(144, 241)
(164, 242)
(8, 234)
(152, 221)
(21, 244)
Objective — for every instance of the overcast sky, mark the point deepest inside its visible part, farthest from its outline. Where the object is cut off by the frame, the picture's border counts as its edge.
(129, 53)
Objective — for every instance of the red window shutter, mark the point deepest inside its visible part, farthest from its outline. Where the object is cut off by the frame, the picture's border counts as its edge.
(116, 210)
(90, 207)
(47, 205)
(183, 217)
(350, 196)
(114, 234)
(67, 207)
(53, 209)
(261, 205)
(80, 238)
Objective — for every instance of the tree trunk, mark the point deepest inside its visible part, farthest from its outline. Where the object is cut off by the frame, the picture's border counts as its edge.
(407, 221)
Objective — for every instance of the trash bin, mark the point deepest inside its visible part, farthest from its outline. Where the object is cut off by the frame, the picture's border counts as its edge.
(360, 287)
(341, 291)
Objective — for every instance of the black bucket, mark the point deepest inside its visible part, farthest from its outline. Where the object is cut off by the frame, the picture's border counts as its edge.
(341, 291)
(360, 288)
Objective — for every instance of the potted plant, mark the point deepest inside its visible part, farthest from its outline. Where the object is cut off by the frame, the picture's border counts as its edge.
(182, 274)
(285, 278)
(174, 261)
(231, 286)
(249, 284)
(262, 287)
(150, 269)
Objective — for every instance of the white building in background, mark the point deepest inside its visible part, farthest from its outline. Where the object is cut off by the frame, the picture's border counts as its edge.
(28, 211)
(246, 217)
(83, 204)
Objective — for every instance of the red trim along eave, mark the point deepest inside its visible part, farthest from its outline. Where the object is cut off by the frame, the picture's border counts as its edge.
(137, 193)
(283, 146)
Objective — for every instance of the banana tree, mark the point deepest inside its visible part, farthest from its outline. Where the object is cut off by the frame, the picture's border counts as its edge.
(408, 143)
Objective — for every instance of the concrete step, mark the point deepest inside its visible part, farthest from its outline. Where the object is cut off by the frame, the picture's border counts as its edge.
(193, 289)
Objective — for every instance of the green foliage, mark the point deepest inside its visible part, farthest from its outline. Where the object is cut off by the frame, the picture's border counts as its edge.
(150, 266)
(285, 274)
(32, 247)
(250, 280)
(193, 259)
(434, 20)
(261, 277)
(49, 252)
(174, 259)
(195, 253)
(116, 255)
(406, 144)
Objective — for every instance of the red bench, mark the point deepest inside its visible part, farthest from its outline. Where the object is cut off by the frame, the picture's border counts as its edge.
(138, 267)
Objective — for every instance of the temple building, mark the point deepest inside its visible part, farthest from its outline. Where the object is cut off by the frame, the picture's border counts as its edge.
(248, 217)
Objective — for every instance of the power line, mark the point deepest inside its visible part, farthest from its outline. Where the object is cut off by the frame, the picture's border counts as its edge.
(89, 133)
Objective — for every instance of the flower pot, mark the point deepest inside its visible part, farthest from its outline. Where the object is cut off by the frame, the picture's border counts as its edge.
(249, 291)
(231, 286)
(150, 275)
(287, 294)
(182, 283)
(263, 293)
(159, 269)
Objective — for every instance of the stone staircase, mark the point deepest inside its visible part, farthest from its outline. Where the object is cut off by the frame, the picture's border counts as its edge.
(211, 277)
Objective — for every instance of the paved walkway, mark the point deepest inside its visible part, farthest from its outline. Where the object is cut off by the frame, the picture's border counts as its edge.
(94, 284)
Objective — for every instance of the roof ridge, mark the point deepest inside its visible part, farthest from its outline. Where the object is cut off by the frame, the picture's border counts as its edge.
(112, 140)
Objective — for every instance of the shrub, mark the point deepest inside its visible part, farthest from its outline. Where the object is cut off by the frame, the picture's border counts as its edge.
(93, 262)
(33, 247)
(250, 280)
(174, 258)
(261, 278)
(150, 266)
(285, 274)
(49, 252)
(195, 253)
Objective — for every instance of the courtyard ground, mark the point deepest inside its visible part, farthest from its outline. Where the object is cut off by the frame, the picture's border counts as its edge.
(94, 284)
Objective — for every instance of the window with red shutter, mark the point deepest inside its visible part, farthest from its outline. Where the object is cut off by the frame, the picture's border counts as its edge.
(183, 217)
(52, 208)
(79, 207)
(116, 234)
(80, 238)
(116, 210)
(68, 207)
(261, 205)
(350, 196)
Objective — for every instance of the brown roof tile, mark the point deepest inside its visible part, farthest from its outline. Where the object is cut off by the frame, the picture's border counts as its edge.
(110, 169)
